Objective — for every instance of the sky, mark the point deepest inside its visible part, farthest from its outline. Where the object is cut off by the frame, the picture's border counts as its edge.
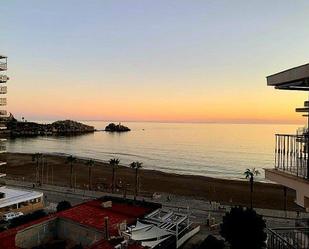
(167, 61)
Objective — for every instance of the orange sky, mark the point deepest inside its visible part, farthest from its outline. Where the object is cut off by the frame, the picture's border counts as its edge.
(194, 61)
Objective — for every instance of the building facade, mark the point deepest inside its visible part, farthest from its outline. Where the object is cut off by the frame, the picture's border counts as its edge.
(292, 150)
(3, 91)
(11, 199)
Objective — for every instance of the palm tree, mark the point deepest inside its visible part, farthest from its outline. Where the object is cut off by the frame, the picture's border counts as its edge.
(136, 165)
(251, 173)
(71, 160)
(37, 158)
(90, 164)
(114, 163)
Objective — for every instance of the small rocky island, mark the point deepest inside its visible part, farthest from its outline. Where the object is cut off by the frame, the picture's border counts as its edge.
(17, 128)
(116, 128)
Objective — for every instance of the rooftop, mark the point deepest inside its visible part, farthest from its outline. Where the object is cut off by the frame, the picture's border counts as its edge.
(92, 214)
(296, 78)
(13, 196)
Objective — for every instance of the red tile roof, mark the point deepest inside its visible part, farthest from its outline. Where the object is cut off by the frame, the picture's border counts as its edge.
(92, 214)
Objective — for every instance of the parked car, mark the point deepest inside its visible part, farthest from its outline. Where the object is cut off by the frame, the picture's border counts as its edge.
(11, 215)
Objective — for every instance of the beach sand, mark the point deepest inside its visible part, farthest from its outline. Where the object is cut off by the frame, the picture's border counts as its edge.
(233, 192)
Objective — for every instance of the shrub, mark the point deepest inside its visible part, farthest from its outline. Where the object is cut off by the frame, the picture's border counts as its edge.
(63, 205)
(244, 228)
(27, 218)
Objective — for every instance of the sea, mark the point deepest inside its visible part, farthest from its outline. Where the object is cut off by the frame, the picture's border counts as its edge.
(207, 149)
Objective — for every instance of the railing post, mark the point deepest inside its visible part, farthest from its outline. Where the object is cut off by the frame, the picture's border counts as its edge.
(307, 152)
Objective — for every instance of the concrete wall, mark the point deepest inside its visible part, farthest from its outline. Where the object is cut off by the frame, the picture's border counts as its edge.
(79, 234)
(57, 228)
(36, 234)
(301, 186)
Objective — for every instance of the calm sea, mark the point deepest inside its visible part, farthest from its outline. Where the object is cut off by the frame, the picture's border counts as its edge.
(217, 150)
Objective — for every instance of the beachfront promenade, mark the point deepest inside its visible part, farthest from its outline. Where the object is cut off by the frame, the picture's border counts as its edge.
(199, 210)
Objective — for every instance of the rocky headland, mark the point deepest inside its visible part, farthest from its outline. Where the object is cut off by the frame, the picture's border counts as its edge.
(116, 128)
(17, 128)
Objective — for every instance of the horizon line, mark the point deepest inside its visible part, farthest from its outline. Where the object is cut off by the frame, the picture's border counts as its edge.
(180, 122)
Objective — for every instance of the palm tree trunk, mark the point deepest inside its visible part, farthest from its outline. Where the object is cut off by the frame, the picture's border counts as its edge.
(37, 177)
(113, 180)
(89, 182)
(136, 183)
(71, 173)
(251, 193)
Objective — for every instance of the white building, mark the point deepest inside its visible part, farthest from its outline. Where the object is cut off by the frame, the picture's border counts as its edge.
(162, 229)
(13, 199)
(292, 150)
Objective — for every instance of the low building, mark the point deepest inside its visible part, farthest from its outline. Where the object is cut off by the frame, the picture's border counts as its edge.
(97, 224)
(163, 229)
(17, 200)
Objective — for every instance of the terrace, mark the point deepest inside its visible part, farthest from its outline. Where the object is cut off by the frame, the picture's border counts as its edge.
(288, 238)
(291, 154)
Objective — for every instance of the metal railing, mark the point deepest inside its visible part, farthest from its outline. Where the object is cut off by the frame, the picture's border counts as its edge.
(288, 238)
(3, 89)
(291, 154)
(3, 113)
(2, 101)
(3, 66)
(4, 78)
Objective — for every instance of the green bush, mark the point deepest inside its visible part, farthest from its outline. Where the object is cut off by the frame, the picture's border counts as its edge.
(243, 229)
(63, 205)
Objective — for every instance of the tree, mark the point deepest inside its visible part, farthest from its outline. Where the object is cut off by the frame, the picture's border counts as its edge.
(250, 174)
(211, 242)
(63, 205)
(244, 228)
(136, 165)
(114, 163)
(71, 160)
(37, 158)
(90, 164)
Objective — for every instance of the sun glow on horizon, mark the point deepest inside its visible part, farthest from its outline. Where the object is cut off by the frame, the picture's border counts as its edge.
(158, 61)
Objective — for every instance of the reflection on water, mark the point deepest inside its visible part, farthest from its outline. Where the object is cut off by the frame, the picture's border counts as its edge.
(218, 150)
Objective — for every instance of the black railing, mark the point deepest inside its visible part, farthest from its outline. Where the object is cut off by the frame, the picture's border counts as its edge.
(291, 154)
(3, 66)
(288, 238)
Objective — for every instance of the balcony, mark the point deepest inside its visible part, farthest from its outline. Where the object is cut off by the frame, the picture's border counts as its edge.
(3, 89)
(3, 66)
(2, 148)
(291, 154)
(3, 113)
(3, 78)
(288, 238)
(2, 101)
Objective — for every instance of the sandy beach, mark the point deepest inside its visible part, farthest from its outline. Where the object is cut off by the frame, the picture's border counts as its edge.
(235, 192)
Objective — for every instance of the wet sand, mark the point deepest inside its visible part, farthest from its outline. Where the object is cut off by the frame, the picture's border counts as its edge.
(234, 192)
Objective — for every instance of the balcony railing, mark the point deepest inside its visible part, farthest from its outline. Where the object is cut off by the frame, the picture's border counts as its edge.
(3, 113)
(3, 89)
(3, 66)
(2, 148)
(2, 101)
(288, 238)
(4, 78)
(291, 154)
